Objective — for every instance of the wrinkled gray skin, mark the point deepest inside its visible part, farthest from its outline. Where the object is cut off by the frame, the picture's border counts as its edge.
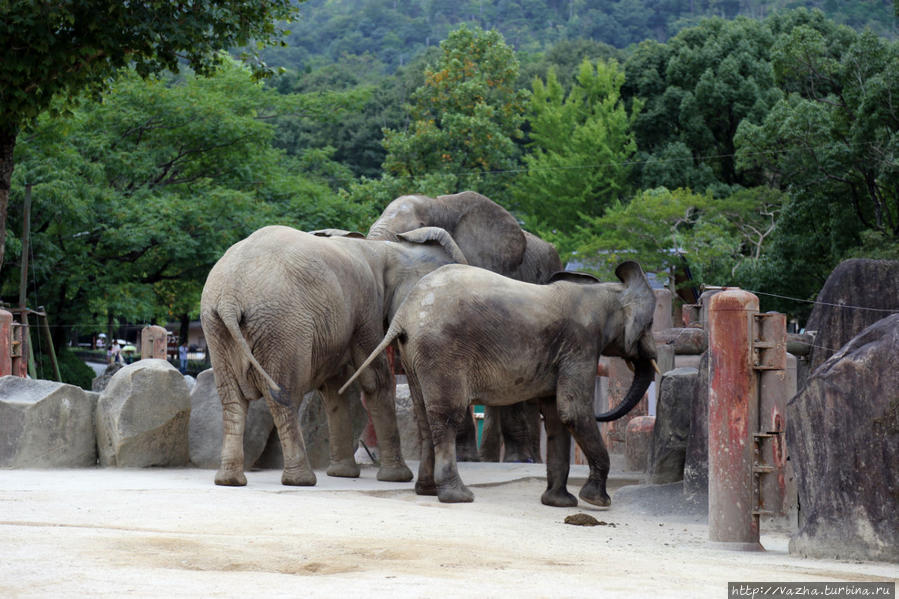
(285, 312)
(491, 238)
(465, 333)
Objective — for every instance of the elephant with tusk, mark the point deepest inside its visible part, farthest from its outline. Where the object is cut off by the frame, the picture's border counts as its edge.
(468, 334)
(285, 312)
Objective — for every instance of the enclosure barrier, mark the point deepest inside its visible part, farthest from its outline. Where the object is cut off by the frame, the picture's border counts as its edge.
(747, 458)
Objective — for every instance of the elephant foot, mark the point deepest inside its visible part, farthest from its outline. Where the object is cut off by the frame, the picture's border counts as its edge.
(397, 473)
(344, 469)
(595, 493)
(425, 488)
(298, 477)
(518, 455)
(558, 498)
(454, 494)
(467, 453)
(230, 478)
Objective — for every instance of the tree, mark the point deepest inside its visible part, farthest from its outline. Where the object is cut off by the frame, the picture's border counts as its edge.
(580, 149)
(141, 193)
(697, 89)
(54, 51)
(465, 117)
(831, 142)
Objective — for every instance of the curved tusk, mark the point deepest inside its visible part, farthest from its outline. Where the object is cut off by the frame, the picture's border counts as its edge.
(656, 367)
(630, 365)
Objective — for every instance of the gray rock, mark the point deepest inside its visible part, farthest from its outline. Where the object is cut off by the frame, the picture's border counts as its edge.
(858, 293)
(45, 424)
(843, 439)
(100, 382)
(407, 424)
(143, 417)
(672, 425)
(206, 425)
(696, 462)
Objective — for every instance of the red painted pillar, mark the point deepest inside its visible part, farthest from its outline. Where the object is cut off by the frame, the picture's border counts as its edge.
(5, 343)
(733, 419)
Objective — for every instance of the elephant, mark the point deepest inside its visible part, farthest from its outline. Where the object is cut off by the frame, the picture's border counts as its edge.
(285, 312)
(490, 237)
(468, 334)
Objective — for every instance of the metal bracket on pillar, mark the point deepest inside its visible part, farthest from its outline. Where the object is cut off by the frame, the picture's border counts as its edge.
(769, 348)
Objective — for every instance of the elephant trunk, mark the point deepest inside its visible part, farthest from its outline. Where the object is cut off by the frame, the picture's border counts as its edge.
(381, 232)
(643, 376)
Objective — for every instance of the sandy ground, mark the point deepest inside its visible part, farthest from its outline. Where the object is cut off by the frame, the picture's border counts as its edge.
(172, 533)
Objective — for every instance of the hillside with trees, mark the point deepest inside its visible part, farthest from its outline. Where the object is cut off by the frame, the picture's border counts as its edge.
(759, 151)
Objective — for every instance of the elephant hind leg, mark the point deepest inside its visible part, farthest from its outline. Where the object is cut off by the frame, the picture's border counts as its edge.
(425, 484)
(342, 463)
(234, 420)
(297, 471)
(558, 457)
(445, 413)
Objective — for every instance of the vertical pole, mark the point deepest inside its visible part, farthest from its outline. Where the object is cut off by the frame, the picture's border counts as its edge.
(5, 343)
(25, 363)
(45, 325)
(733, 419)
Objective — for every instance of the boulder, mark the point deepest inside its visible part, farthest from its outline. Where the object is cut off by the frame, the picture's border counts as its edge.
(857, 293)
(843, 437)
(100, 382)
(407, 424)
(206, 425)
(637, 441)
(672, 426)
(143, 417)
(696, 461)
(45, 424)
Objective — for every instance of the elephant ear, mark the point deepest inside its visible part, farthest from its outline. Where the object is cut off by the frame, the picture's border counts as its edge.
(638, 302)
(572, 276)
(428, 234)
(337, 233)
(486, 232)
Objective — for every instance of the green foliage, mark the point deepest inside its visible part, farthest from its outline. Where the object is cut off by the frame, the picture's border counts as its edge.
(140, 194)
(832, 142)
(580, 147)
(72, 369)
(465, 116)
(55, 50)
(698, 88)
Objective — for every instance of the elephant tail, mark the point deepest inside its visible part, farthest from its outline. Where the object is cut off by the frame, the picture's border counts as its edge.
(394, 331)
(228, 315)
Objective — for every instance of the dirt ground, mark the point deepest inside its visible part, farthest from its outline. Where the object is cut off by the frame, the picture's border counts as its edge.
(173, 533)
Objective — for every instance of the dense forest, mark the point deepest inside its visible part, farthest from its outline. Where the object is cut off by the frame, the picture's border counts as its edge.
(752, 141)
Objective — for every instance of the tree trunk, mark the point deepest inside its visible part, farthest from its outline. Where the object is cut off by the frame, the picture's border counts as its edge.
(184, 331)
(7, 145)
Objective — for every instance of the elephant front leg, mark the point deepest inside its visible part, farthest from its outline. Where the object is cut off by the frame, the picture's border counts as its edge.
(234, 420)
(558, 457)
(342, 463)
(297, 471)
(424, 484)
(575, 410)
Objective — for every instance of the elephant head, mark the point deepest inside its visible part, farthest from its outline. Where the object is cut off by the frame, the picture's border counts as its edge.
(487, 233)
(633, 339)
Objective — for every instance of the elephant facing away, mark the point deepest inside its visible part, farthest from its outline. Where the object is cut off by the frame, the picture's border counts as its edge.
(285, 312)
(467, 334)
(490, 237)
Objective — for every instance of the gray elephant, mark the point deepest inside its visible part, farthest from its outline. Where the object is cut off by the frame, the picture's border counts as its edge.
(491, 238)
(285, 312)
(465, 333)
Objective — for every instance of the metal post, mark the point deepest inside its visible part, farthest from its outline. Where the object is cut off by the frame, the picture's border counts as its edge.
(45, 325)
(733, 419)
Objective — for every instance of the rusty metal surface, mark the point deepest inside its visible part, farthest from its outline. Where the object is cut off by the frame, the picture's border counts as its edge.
(733, 419)
(5, 343)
